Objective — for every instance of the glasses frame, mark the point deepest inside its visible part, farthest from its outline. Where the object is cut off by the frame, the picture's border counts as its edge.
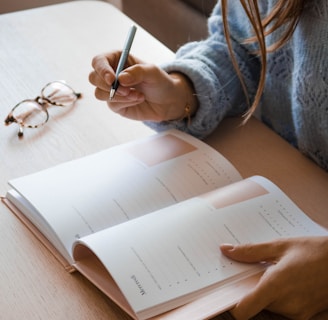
(44, 103)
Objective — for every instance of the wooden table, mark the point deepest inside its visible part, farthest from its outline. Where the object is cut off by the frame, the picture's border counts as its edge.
(57, 43)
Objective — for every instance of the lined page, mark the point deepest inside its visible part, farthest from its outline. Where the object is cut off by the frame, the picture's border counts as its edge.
(175, 251)
(119, 184)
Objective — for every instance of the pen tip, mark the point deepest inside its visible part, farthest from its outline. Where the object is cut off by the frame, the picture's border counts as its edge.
(111, 94)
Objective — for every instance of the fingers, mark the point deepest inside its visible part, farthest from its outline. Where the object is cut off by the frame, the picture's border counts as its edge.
(263, 295)
(121, 103)
(295, 285)
(101, 77)
(135, 73)
(254, 302)
(104, 66)
(104, 75)
(145, 91)
(121, 93)
(146, 74)
(269, 252)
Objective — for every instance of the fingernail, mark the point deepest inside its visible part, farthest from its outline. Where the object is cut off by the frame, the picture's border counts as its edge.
(227, 246)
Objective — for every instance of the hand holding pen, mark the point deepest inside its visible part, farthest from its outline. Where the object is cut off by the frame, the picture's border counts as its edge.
(123, 58)
(144, 91)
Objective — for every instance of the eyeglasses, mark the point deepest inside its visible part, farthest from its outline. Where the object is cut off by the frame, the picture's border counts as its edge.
(33, 113)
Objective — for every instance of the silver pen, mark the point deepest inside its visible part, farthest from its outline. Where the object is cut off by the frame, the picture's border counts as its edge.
(122, 61)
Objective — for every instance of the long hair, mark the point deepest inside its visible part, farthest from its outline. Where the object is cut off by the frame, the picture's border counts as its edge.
(284, 13)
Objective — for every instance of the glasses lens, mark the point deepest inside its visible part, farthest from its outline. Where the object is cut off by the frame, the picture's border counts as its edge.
(29, 113)
(59, 93)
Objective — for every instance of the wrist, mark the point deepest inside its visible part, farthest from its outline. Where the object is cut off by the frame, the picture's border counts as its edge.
(188, 102)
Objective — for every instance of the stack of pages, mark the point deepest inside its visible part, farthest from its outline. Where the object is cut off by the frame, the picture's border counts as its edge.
(143, 221)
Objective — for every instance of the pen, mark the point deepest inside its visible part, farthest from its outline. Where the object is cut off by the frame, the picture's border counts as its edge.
(122, 61)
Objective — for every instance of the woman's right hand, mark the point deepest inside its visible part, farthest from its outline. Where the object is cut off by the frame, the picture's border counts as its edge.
(146, 92)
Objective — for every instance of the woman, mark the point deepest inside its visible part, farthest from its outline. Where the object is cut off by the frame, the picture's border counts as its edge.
(269, 55)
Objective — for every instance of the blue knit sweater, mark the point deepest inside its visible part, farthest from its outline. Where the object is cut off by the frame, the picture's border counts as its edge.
(295, 99)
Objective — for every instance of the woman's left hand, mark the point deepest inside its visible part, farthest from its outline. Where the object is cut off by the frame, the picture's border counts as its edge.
(295, 285)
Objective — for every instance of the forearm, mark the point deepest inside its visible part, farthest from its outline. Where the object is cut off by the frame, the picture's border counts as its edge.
(216, 86)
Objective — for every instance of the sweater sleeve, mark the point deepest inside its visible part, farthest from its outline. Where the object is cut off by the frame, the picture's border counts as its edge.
(208, 65)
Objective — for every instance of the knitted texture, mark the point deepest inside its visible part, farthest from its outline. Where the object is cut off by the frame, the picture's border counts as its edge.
(295, 99)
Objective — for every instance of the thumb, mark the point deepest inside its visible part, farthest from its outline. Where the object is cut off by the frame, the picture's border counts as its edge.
(141, 74)
(261, 296)
(251, 253)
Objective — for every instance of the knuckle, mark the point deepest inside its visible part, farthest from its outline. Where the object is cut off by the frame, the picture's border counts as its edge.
(92, 77)
(95, 60)
(100, 95)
